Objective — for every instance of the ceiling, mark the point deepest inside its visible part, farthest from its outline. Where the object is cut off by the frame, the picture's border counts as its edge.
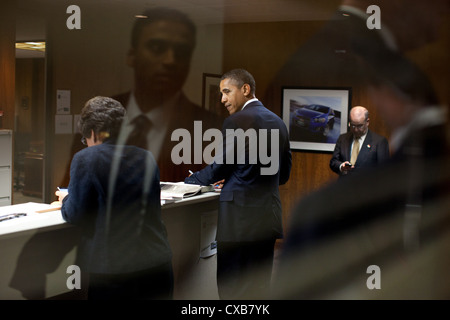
(33, 14)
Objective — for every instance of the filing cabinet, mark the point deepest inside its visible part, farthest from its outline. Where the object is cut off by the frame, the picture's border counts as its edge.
(5, 167)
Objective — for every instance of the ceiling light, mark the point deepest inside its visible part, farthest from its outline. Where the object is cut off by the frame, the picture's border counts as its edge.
(31, 45)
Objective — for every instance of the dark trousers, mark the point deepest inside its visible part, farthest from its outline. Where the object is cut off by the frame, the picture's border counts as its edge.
(244, 269)
(149, 284)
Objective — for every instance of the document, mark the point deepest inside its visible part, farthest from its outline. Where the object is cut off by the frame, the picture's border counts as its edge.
(181, 190)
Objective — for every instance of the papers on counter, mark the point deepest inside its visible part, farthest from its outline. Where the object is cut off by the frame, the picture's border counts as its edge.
(172, 191)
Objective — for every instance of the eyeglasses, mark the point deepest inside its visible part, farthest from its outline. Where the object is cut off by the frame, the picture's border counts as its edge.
(357, 126)
(83, 141)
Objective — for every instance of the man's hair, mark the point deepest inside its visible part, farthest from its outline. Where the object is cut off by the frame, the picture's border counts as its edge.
(156, 14)
(104, 116)
(241, 77)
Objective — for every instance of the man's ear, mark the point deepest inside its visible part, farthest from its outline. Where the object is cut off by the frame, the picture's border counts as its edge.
(131, 56)
(246, 89)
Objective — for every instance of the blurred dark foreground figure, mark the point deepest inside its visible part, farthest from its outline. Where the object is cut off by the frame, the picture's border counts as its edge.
(383, 233)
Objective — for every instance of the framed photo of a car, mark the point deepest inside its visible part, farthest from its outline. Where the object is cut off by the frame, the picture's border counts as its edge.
(315, 117)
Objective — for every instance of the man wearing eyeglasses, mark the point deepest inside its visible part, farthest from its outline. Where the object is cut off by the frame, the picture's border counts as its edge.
(359, 147)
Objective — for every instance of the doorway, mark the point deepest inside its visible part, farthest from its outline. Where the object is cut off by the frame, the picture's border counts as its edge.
(29, 129)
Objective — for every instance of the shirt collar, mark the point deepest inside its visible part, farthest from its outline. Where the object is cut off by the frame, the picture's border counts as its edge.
(249, 101)
(157, 115)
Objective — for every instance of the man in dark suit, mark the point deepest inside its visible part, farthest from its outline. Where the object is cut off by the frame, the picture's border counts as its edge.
(360, 147)
(250, 210)
(162, 43)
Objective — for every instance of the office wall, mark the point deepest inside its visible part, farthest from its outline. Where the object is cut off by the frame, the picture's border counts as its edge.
(7, 62)
(434, 60)
(7, 66)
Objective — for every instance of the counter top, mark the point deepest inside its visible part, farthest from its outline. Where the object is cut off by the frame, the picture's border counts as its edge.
(32, 220)
(45, 216)
(191, 200)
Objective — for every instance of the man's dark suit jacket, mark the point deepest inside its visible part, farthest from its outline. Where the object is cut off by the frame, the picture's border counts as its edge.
(186, 113)
(250, 207)
(132, 237)
(374, 150)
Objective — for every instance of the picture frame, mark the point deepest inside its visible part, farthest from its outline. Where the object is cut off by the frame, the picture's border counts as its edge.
(315, 117)
(211, 95)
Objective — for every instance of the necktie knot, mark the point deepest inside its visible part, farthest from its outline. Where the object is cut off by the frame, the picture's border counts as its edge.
(141, 122)
(138, 137)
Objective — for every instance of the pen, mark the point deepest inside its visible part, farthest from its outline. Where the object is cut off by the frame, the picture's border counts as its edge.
(11, 216)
